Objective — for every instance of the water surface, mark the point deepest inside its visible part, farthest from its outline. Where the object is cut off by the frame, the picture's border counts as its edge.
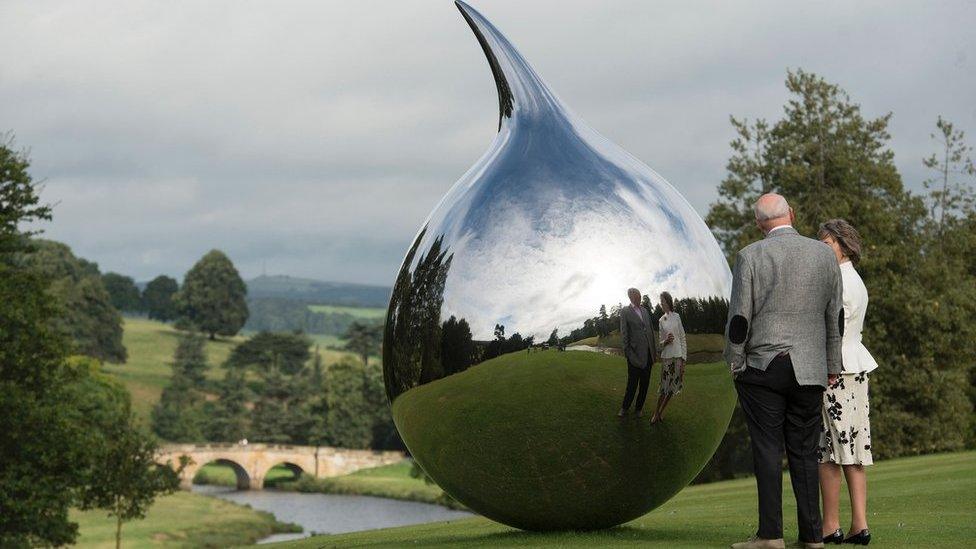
(332, 514)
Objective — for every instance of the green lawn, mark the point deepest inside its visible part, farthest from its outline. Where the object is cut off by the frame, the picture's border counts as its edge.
(924, 501)
(533, 439)
(182, 519)
(369, 313)
(150, 346)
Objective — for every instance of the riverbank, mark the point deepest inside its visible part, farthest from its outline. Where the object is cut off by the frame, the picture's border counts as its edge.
(182, 519)
(920, 501)
(389, 481)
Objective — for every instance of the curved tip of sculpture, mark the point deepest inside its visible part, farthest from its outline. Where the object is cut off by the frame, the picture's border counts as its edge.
(521, 92)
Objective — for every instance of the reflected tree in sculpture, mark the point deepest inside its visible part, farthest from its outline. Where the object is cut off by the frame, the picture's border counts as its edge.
(531, 252)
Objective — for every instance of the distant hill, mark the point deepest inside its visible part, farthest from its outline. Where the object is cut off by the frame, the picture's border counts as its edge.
(318, 291)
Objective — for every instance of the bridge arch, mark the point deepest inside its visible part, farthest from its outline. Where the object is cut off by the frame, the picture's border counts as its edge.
(241, 474)
(295, 469)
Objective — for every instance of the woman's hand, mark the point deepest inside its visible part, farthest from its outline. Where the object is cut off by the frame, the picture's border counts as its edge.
(681, 369)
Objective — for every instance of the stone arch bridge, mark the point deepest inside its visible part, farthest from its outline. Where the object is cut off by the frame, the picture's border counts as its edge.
(251, 462)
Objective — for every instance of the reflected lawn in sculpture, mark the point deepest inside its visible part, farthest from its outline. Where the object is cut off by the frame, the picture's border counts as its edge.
(532, 439)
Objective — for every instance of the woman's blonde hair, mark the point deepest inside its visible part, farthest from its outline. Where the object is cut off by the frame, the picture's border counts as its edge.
(846, 236)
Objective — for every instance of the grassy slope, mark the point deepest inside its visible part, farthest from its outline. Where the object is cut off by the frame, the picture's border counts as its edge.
(541, 429)
(370, 313)
(389, 481)
(150, 345)
(914, 502)
(180, 520)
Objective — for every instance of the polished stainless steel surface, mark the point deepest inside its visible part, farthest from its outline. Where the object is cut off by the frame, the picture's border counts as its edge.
(551, 224)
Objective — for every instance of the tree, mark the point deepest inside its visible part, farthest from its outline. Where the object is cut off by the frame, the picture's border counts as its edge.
(56, 414)
(949, 192)
(158, 298)
(19, 201)
(830, 161)
(122, 292)
(603, 322)
(350, 416)
(227, 418)
(553, 338)
(41, 469)
(190, 360)
(178, 416)
(280, 404)
(86, 314)
(266, 351)
(457, 345)
(129, 478)
(363, 339)
(212, 299)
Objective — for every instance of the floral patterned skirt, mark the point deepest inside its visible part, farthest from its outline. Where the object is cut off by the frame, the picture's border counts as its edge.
(671, 378)
(845, 438)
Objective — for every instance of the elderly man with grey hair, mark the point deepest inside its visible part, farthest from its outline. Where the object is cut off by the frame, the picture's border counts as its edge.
(783, 341)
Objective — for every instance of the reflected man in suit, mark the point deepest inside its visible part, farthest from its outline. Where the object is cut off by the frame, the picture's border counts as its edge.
(637, 340)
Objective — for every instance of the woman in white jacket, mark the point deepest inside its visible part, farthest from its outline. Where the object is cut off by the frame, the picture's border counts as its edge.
(845, 441)
(674, 353)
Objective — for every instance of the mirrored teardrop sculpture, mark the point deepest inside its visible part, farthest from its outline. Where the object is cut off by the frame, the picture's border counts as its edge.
(502, 352)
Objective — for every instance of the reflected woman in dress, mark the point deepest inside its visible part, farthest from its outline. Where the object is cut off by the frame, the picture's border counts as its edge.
(845, 441)
(674, 353)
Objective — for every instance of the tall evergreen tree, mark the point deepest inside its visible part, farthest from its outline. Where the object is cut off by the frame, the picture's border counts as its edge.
(350, 415)
(228, 418)
(212, 298)
(950, 194)
(178, 416)
(158, 298)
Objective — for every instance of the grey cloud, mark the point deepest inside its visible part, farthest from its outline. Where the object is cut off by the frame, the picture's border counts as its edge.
(312, 138)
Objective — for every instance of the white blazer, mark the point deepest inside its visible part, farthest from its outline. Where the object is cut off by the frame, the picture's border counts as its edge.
(856, 357)
(670, 323)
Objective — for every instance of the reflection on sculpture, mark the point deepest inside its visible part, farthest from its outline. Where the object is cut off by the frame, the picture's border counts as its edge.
(501, 353)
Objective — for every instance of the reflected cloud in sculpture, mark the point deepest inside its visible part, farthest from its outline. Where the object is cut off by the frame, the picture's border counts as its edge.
(552, 223)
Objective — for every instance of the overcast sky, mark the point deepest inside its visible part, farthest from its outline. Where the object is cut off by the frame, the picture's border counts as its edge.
(313, 138)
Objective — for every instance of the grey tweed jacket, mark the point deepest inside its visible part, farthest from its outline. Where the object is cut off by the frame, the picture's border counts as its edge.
(787, 296)
(637, 337)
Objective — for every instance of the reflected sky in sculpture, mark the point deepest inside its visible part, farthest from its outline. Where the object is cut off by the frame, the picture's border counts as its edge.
(555, 220)
(547, 231)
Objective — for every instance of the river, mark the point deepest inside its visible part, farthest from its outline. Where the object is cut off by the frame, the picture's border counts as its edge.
(332, 514)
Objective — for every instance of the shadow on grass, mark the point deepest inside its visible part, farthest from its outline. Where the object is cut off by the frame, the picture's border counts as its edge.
(670, 537)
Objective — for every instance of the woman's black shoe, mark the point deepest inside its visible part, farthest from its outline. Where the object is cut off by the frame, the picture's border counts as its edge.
(861, 538)
(836, 538)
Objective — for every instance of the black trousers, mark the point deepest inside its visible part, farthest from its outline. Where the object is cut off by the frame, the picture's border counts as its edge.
(636, 377)
(778, 410)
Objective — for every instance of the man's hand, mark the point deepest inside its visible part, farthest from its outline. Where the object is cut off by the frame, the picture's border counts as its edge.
(832, 379)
